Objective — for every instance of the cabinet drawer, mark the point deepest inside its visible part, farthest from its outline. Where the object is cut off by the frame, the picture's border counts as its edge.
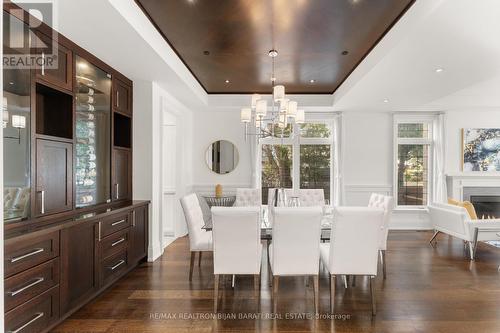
(31, 283)
(115, 243)
(35, 315)
(113, 267)
(113, 224)
(27, 253)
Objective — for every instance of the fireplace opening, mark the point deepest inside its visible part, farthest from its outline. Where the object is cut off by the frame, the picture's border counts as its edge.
(487, 206)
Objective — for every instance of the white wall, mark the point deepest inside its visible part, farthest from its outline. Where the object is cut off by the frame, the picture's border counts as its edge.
(368, 160)
(212, 126)
(150, 104)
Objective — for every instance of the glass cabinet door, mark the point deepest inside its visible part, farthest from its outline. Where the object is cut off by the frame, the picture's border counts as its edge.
(93, 134)
(16, 107)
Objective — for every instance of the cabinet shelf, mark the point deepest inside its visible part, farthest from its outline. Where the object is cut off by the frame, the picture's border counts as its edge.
(54, 112)
(122, 131)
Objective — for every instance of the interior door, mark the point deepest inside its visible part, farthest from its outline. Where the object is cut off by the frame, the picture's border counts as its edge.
(54, 177)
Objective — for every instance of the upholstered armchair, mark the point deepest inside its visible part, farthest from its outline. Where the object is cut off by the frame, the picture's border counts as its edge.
(455, 221)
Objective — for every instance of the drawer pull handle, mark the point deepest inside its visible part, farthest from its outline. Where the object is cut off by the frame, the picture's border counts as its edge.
(20, 290)
(38, 315)
(118, 222)
(24, 256)
(121, 262)
(121, 240)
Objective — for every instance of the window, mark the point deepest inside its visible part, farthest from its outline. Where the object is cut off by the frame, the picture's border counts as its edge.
(298, 162)
(413, 146)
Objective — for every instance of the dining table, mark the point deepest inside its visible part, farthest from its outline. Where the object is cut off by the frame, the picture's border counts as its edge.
(266, 229)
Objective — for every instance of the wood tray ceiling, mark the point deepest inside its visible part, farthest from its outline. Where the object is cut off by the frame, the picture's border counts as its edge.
(230, 39)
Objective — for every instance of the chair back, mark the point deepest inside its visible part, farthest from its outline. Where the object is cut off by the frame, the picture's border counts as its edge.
(236, 239)
(194, 218)
(308, 197)
(248, 197)
(296, 237)
(354, 240)
(387, 204)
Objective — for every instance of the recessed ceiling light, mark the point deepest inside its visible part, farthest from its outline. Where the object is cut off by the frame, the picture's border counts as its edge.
(386, 100)
(439, 70)
(312, 81)
(206, 52)
(345, 52)
(11, 83)
(273, 53)
(227, 81)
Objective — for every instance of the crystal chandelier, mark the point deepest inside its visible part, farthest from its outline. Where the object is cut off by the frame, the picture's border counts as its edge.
(283, 111)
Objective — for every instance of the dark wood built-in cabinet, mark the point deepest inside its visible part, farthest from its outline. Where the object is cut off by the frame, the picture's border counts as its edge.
(57, 70)
(122, 97)
(79, 277)
(71, 227)
(122, 173)
(54, 177)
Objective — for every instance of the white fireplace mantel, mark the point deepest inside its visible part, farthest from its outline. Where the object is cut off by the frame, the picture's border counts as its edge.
(456, 182)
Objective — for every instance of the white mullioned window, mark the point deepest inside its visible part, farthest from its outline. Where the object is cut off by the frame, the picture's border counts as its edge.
(413, 145)
(298, 161)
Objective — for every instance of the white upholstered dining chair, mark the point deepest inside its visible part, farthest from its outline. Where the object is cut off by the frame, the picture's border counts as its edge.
(295, 247)
(237, 246)
(308, 197)
(199, 239)
(387, 204)
(248, 197)
(354, 245)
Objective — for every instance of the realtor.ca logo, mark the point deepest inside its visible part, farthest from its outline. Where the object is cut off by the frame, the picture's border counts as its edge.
(25, 44)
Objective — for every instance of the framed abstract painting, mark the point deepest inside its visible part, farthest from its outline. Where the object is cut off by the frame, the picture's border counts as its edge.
(481, 149)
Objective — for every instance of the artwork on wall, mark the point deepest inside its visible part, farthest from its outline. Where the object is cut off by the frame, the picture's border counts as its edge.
(481, 149)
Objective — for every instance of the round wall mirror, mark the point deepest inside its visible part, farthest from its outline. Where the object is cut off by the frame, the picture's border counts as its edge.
(222, 157)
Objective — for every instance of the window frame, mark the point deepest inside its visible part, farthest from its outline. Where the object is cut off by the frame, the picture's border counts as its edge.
(429, 141)
(295, 140)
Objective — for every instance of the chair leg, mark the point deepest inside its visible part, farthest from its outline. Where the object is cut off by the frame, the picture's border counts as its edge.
(216, 292)
(275, 291)
(316, 293)
(471, 250)
(332, 292)
(191, 265)
(199, 258)
(434, 236)
(384, 264)
(354, 280)
(372, 292)
(346, 283)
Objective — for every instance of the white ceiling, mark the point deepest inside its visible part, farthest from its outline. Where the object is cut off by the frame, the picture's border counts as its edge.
(460, 36)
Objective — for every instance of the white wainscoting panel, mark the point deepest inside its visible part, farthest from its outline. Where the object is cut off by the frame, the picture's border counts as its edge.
(358, 195)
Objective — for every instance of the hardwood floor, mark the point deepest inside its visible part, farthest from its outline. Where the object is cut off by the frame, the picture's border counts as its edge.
(427, 290)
